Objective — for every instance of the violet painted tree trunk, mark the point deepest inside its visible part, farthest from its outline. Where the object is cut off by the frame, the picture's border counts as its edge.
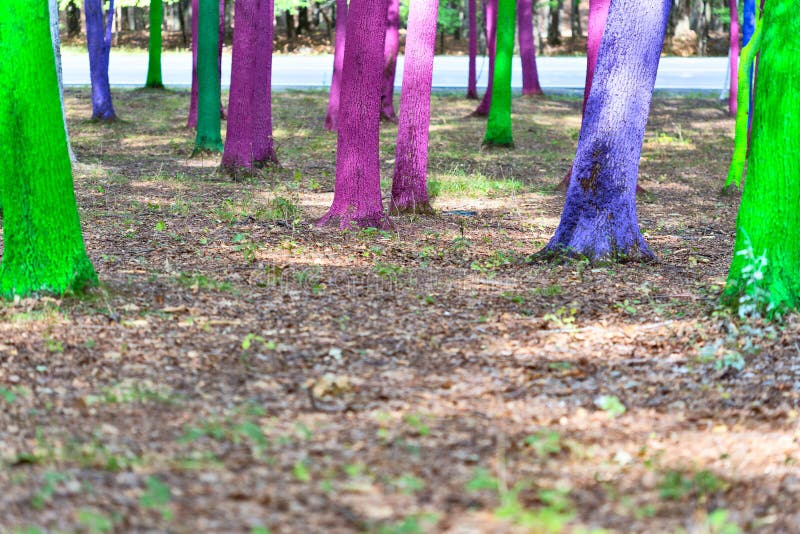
(192, 120)
(248, 142)
(410, 183)
(734, 57)
(491, 42)
(332, 117)
(527, 49)
(357, 192)
(98, 40)
(391, 47)
(599, 220)
(472, 81)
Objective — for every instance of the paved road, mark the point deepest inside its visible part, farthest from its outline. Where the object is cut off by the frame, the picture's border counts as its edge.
(450, 72)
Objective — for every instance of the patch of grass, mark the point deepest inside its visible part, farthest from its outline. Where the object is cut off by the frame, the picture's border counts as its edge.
(472, 185)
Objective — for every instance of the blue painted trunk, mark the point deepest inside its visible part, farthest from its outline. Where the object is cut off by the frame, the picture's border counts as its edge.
(98, 41)
(599, 220)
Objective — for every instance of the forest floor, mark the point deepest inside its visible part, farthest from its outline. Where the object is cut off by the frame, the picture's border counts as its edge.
(241, 370)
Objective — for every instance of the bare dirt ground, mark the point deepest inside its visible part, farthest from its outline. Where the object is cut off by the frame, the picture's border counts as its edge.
(240, 370)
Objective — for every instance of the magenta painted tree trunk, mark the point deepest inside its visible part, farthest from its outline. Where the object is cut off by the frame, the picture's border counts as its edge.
(410, 184)
(491, 45)
(192, 120)
(391, 47)
(472, 82)
(598, 14)
(527, 48)
(357, 192)
(248, 142)
(599, 219)
(332, 117)
(734, 57)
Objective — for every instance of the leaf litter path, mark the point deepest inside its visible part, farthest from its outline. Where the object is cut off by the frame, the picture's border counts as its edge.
(242, 371)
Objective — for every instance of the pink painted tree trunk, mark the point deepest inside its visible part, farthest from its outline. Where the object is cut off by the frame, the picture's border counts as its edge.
(598, 14)
(733, 94)
(472, 82)
(491, 45)
(332, 117)
(248, 143)
(410, 184)
(192, 120)
(391, 47)
(357, 192)
(530, 74)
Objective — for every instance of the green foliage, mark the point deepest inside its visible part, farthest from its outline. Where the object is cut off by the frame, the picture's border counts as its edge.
(611, 405)
(157, 496)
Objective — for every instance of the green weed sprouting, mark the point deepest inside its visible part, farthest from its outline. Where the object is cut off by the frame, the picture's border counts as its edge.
(754, 297)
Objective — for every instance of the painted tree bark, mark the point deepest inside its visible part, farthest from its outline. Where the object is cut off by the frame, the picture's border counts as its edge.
(748, 28)
(192, 120)
(98, 40)
(527, 48)
(43, 250)
(391, 47)
(472, 80)
(55, 34)
(332, 117)
(599, 219)
(491, 40)
(154, 79)
(410, 180)
(734, 56)
(598, 14)
(768, 225)
(357, 191)
(209, 98)
(249, 143)
(498, 127)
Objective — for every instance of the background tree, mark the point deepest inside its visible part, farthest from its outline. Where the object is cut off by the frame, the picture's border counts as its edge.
(490, 15)
(527, 48)
(498, 127)
(391, 48)
(43, 248)
(472, 80)
(154, 64)
(332, 117)
(209, 98)
(599, 219)
(192, 121)
(410, 184)
(357, 191)
(56, 39)
(765, 271)
(98, 40)
(249, 142)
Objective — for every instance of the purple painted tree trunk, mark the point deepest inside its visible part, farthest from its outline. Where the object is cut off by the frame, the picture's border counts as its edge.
(192, 121)
(527, 48)
(391, 47)
(357, 192)
(733, 94)
(491, 45)
(332, 117)
(410, 184)
(599, 220)
(248, 142)
(472, 82)
(98, 40)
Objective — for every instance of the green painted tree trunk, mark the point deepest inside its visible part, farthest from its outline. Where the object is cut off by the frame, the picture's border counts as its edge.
(154, 66)
(43, 250)
(498, 127)
(765, 272)
(209, 137)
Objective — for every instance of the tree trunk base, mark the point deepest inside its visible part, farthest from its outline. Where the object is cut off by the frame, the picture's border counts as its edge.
(411, 208)
(351, 222)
